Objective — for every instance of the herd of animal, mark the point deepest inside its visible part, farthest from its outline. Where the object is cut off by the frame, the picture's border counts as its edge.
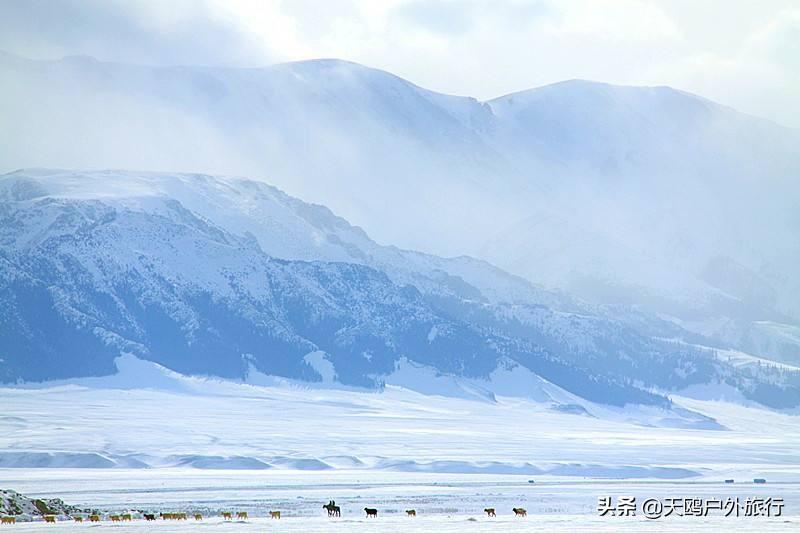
(518, 511)
(128, 517)
(331, 507)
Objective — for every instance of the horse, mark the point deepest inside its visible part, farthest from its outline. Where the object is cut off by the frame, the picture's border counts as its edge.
(77, 518)
(371, 513)
(127, 517)
(94, 518)
(227, 516)
(114, 518)
(411, 512)
(489, 511)
(149, 517)
(519, 511)
(333, 509)
(241, 515)
(8, 520)
(275, 514)
(51, 518)
(198, 516)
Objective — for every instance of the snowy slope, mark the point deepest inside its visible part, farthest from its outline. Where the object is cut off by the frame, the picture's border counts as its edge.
(86, 279)
(283, 226)
(202, 274)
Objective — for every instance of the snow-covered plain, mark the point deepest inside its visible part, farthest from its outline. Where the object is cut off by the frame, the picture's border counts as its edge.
(444, 502)
(216, 445)
(147, 415)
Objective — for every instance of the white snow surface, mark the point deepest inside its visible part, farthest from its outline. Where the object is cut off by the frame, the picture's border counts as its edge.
(450, 503)
(149, 416)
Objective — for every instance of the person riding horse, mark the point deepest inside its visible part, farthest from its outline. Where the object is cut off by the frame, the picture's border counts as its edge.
(333, 509)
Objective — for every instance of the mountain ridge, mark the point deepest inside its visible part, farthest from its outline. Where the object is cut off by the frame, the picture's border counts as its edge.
(334, 61)
(152, 271)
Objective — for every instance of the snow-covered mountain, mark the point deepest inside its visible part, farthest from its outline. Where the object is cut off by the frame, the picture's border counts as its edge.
(321, 130)
(223, 276)
(663, 198)
(621, 195)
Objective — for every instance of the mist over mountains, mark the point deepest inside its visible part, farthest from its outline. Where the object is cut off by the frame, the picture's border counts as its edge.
(199, 274)
(630, 223)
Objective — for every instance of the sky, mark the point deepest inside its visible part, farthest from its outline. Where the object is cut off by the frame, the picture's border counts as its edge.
(742, 53)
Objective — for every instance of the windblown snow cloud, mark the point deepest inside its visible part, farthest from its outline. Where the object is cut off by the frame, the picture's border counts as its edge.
(742, 54)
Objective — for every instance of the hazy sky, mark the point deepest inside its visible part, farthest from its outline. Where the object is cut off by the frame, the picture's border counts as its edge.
(743, 53)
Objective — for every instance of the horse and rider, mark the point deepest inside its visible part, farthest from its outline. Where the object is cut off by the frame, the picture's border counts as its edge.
(333, 509)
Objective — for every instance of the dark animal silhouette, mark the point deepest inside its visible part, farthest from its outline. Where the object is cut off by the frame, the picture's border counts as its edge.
(149, 517)
(489, 511)
(519, 511)
(333, 509)
(411, 512)
(371, 513)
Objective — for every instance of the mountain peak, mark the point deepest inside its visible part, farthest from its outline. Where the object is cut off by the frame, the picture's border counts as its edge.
(324, 62)
(580, 90)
